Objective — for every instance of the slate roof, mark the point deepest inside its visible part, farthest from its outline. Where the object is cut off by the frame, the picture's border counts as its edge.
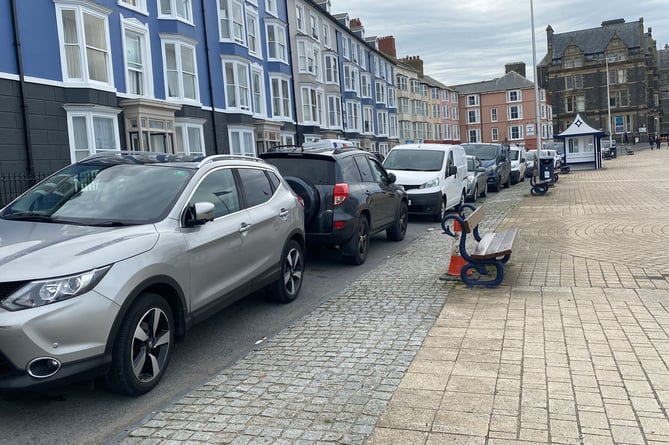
(595, 40)
(510, 81)
(580, 127)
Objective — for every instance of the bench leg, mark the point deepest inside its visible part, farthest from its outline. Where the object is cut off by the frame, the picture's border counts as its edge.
(483, 274)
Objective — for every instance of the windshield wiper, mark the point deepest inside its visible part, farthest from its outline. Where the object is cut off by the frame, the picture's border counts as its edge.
(29, 216)
(111, 224)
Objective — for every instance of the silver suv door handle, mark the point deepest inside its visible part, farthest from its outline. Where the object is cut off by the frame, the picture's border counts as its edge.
(284, 213)
(243, 228)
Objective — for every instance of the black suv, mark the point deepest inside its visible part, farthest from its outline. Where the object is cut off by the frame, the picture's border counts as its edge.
(348, 196)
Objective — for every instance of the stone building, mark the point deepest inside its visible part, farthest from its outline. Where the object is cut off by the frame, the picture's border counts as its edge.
(613, 65)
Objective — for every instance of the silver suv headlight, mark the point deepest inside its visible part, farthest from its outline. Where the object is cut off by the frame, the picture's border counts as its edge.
(42, 292)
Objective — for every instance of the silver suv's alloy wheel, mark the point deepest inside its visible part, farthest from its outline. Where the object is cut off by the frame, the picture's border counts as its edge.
(150, 345)
(143, 346)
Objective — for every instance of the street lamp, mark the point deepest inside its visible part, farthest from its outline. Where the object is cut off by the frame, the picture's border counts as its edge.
(608, 99)
(536, 90)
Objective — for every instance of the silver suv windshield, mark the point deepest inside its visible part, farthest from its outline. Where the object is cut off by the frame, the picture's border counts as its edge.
(414, 160)
(102, 193)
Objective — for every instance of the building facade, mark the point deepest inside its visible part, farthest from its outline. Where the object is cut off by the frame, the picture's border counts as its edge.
(600, 71)
(504, 110)
(663, 80)
(184, 76)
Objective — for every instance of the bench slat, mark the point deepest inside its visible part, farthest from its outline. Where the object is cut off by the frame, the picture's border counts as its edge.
(473, 220)
(493, 245)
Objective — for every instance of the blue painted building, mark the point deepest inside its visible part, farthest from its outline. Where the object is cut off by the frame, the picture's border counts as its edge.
(80, 76)
(183, 76)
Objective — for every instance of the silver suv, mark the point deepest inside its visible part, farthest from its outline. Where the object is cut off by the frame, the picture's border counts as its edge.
(106, 262)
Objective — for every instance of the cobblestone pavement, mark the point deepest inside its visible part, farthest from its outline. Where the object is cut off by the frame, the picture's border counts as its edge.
(572, 348)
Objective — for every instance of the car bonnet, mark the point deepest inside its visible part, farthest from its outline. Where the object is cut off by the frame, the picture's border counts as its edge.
(34, 250)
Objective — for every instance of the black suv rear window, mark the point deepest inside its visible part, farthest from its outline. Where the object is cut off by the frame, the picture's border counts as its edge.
(316, 171)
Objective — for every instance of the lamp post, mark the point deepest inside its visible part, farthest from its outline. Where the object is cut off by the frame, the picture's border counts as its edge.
(536, 90)
(608, 99)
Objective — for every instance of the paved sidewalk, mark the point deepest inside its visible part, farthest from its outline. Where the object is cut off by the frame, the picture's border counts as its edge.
(572, 348)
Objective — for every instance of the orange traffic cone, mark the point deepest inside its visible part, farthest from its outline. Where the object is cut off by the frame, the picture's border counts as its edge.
(457, 262)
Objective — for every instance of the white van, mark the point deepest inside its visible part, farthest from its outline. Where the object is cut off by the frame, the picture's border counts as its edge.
(433, 175)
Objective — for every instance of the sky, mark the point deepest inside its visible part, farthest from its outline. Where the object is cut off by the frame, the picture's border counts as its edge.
(464, 41)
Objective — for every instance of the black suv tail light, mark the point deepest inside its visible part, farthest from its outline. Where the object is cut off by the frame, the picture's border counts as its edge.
(340, 193)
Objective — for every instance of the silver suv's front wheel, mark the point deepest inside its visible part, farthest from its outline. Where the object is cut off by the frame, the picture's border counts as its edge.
(143, 346)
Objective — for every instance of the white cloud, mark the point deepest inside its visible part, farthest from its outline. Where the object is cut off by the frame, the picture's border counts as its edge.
(471, 41)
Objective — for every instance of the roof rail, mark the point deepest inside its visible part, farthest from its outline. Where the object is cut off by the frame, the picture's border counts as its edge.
(224, 157)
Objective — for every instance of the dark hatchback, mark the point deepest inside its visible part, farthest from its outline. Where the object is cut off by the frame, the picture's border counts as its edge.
(348, 196)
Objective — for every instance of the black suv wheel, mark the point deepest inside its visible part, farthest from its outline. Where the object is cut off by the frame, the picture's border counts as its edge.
(399, 229)
(358, 244)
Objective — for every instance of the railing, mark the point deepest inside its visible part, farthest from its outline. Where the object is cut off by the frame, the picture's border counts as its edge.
(13, 184)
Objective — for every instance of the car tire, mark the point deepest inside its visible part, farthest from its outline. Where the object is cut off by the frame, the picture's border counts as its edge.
(289, 282)
(496, 185)
(309, 194)
(476, 193)
(358, 244)
(143, 346)
(437, 217)
(399, 227)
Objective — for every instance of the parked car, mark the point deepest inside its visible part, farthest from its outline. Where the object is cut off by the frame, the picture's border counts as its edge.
(348, 196)
(477, 179)
(557, 159)
(496, 158)
(434, 176)
(106, 262)
(518, 164)
(609, 149)
(531, 163)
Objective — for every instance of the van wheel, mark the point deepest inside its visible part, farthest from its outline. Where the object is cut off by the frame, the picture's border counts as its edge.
(476, 193)
(143, 346)
(358, 244)
(438, 217)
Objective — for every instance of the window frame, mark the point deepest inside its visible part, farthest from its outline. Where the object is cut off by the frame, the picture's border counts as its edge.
(140, 7)
(135, 27)
(89, 113)
(174, 11)
(182, 135)
(243, 132)
(285, 102)
(79, 11)
(280, 43)
(238, 85)
(180, 43)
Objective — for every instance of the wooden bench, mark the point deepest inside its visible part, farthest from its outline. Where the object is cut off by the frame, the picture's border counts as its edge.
(485, 263)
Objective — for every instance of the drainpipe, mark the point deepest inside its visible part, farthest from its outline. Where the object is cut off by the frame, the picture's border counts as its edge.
(24, 106)
(292, 75)
(211, 85)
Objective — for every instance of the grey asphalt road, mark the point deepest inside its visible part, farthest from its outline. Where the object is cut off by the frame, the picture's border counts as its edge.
(86, 414)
